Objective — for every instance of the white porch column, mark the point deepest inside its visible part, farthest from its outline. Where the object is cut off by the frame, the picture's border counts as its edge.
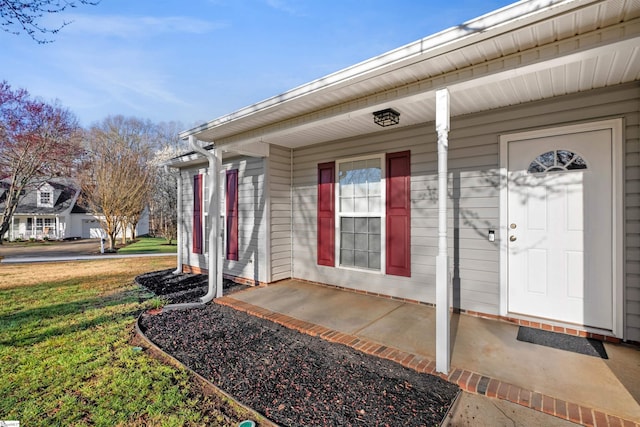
(11, 230)
(214, 156)
(215, 236)
(57, 227)
(443, 348)
(220, 217)
(179, 239)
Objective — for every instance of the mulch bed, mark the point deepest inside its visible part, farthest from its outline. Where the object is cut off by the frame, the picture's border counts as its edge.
(183, 287)
(296, 379)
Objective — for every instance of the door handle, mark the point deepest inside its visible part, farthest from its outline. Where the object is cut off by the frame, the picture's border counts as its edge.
(513, 238)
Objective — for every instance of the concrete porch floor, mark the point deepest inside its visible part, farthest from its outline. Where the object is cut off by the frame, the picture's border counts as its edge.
(487, 359)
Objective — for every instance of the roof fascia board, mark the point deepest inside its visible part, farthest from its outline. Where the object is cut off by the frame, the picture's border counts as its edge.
(72, 204)
(244, 148)
(489, 25)
(184, 160)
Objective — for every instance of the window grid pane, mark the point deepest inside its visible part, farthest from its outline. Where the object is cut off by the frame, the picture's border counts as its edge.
(360, 186)
(556, 161)
(45, 198)
(360, 242)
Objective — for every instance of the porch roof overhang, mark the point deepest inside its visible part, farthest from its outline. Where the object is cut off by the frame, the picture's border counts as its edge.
(528, 51)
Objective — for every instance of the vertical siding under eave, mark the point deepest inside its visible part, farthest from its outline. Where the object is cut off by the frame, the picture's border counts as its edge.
(252, 201)
(474, 187)
(252, 217)
(279, 183)
(632, 219)
(188, 257)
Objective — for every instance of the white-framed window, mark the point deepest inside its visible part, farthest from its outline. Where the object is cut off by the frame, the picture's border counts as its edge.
(45, 198)
(360, 213)
(557, 161)
(45, 226)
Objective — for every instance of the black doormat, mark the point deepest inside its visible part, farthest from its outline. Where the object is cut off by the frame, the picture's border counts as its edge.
(581, 345)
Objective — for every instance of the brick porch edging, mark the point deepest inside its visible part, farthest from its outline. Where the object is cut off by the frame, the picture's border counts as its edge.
(466, 380)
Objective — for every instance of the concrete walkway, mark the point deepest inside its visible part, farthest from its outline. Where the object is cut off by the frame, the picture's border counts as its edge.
(487, 360)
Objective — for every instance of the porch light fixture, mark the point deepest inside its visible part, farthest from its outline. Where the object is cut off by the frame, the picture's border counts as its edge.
(386, 117)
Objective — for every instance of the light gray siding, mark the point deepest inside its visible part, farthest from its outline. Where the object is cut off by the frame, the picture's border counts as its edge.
(632, 216)
(474, 208)
(252, 219)
(188, 257)
(279, 184)
(420, 286)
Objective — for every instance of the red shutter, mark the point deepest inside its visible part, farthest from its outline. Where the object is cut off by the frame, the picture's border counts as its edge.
(197, 214)
(326, 214)
(399, 214)
(232, 214)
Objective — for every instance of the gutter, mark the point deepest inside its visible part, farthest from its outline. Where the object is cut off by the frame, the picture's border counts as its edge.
(213, 219)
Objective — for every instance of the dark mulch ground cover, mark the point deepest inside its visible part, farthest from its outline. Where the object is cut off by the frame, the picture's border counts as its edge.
(181, 288)
(295, 379)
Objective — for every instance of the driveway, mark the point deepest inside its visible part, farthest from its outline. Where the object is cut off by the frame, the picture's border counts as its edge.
(51, 249)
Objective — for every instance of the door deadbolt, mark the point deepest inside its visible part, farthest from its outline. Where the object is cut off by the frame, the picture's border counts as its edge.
(513, 226)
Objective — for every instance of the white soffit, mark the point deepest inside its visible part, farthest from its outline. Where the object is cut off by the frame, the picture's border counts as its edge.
(553, 48)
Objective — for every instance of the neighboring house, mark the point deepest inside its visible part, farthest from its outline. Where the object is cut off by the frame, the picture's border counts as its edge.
(52, 211)
(86, 224)
(44, 212)
(542, 212)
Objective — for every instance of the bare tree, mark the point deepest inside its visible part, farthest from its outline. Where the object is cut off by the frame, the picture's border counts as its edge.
(38, 141)
(167, 136)
(116, 179)
(18, 16)
(164, 201)
(140, 180)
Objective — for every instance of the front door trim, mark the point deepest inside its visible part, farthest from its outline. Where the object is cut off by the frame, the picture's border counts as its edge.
(616, 128)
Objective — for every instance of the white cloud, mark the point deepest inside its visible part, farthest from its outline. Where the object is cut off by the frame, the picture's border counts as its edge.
(126, 27)
(97, 78)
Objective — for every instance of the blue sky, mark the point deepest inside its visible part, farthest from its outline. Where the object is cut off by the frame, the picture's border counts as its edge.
(193, 61)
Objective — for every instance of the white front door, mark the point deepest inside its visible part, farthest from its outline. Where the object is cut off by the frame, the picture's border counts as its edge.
(560, 228)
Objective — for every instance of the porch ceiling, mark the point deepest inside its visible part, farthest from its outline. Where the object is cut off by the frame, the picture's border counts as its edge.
(525, 52)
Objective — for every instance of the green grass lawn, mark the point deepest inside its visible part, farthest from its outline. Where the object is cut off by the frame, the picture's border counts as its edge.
(149, 245)
(67, 357)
